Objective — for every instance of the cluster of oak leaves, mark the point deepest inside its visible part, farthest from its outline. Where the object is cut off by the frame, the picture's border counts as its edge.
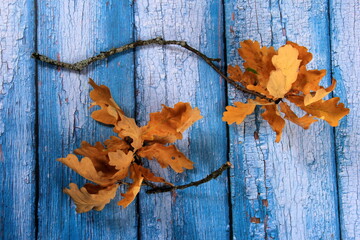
(280, 75)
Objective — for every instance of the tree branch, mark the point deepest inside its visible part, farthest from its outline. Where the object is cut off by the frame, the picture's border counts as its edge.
(209, 177)
(79, 66)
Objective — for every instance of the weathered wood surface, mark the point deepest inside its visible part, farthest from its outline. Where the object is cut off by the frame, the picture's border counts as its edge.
(17, 120)
(166, 75)
(345, 55)
(71, 31)
(278, 189)
(305, 187)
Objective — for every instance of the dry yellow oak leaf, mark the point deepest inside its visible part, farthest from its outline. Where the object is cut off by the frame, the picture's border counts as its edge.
(238, 114)
(138, 174)
(168, 125)
(91, 196)
(272, 116)
(167, 156)
(279, 76)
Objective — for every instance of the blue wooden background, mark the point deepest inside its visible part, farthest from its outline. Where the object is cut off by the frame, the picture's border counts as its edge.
(305, 187)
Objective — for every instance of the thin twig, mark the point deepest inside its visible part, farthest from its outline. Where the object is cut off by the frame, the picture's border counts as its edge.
(209, 177)
(157, 41)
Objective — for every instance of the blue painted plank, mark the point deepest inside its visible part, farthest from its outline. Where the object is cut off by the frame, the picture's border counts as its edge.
(283, 190)
(345, 52)
(17, 120)
(166, 75)
(71, 31)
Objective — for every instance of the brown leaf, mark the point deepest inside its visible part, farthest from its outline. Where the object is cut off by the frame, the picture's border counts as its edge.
(114, 143)
(303, 122)
(329, 110)
(86, 169)
(127, 127)
(91, 196)
(133, 190)
(102, 97)
(167, 126)
(304, 55)
(166, 155)
(122, 162)
(149, 176)
(272, 116)
(238, 114)
(237, 75)
(308, 80)
(319, 94)
(287, 65)
(96, 153)
(258, 59)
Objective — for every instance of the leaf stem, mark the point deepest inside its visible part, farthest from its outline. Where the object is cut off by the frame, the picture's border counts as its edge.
(79, 66)
(209, 177)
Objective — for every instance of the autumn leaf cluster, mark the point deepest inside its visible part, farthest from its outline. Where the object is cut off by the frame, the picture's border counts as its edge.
(283, 78)
(107, 164)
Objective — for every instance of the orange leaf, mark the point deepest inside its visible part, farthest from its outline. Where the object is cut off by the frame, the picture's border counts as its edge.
(238, 114)
(166, 155)
(133, 190)
(329, 110)
(149, 176)
(258, 59)
(304, 55)
(319, 94)
(308, 80)
(115, 143)
(272, 116)
(237, 75)
(96, 153)
(102, 97)
(167, 126)
(127, 127)
(122, 162)
(303, 122)
(91, 196)
(86, 169)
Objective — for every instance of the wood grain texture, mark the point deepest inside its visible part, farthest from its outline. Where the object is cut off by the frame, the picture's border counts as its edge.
(283, 190)
(72, 31)
(17, 120)
(166, 75)
(345, 52)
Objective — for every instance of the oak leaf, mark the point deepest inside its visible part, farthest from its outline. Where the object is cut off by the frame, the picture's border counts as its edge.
(303, 122)
(238, 114)
(257, 59)
(133, 190)
(272, 116)
(168, 125)
(138, 174)
(330, 110)
(166, 156)
(91, 196)
(86, 169)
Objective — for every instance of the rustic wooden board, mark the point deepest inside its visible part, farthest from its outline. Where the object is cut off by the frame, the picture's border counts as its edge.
(17, 120)
(345, 53)
(72, 31)
(166, 75)
(286, 190)
(283, 190)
